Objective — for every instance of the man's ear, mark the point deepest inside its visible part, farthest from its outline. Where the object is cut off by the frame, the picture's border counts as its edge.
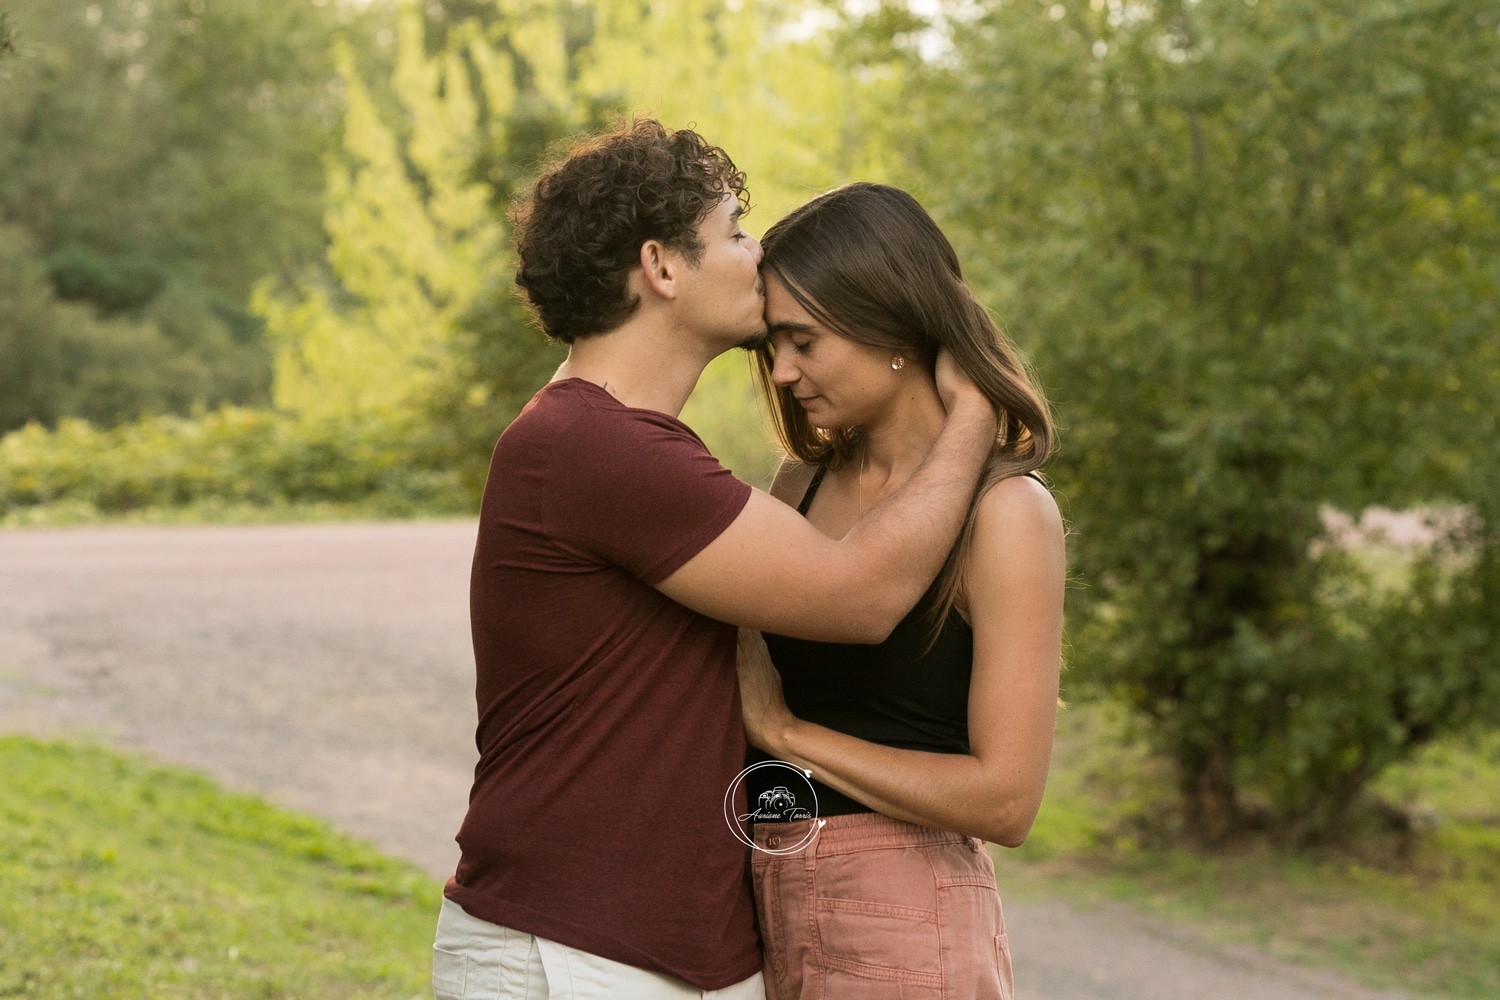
(661, 268)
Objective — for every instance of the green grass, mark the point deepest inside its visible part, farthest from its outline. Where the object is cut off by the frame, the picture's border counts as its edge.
(121, 878)
(1418, 912)
(124, 879)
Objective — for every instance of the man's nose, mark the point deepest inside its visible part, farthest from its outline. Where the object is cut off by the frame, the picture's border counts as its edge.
(755, 249)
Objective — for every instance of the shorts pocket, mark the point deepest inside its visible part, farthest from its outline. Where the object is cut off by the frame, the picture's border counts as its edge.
(1007, 975)
(450, 974)
(880, 942)
(976, 957)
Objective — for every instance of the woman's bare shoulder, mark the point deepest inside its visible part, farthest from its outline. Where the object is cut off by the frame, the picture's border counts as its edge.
(1018, 511)
(1017, 554)
(792, 480)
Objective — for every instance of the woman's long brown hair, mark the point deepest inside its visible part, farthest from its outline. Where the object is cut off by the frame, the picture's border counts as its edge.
(867, 262)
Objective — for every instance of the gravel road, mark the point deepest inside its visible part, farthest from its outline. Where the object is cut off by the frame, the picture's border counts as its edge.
(328, 668)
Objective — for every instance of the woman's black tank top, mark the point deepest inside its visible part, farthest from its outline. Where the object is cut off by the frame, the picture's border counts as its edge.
(893, 693)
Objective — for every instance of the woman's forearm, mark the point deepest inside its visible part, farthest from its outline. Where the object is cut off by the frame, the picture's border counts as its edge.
(957, 792)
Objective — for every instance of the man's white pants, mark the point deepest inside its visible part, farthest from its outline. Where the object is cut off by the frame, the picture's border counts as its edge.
(474, 959)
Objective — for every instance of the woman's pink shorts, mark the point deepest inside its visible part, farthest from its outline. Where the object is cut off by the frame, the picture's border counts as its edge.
(874, 908)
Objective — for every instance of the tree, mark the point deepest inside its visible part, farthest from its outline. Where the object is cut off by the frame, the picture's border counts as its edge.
(162, 157)
(59, 359)
(410, 236)
(417, 311)
(1255, 250)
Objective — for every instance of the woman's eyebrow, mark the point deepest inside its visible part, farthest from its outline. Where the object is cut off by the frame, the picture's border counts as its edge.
(790, 326)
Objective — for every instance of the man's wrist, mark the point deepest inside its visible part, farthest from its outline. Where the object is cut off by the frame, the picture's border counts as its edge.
(974, 410)
(966, 399)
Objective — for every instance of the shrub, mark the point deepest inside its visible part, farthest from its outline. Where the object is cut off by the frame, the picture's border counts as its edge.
(243, 456)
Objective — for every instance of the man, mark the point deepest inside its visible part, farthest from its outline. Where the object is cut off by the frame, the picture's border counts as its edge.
(613, 552)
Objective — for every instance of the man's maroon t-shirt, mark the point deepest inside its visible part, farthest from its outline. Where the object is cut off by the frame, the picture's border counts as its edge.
(609, 715)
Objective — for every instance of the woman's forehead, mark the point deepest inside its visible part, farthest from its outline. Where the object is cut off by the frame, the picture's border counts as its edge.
(783, 312)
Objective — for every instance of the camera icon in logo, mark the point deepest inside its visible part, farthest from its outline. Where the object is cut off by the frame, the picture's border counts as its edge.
(776, 800)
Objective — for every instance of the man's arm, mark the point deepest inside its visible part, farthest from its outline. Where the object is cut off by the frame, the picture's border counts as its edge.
(773, 571)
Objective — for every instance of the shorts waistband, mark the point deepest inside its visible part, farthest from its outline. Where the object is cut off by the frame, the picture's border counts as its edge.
(854, 832)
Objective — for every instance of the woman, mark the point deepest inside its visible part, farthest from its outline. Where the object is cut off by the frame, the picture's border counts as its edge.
(938, 738)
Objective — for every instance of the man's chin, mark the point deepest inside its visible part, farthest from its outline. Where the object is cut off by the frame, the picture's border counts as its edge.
(755, 341)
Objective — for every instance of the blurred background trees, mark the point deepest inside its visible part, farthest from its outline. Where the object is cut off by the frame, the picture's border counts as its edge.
(157, 158)
(1253, 247)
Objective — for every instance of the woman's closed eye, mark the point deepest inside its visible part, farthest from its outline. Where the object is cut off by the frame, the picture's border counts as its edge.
(783, 341)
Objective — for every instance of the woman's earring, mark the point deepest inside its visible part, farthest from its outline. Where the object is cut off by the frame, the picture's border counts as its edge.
(898, 363)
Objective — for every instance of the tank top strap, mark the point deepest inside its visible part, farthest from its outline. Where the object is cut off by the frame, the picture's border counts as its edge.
(812, 490)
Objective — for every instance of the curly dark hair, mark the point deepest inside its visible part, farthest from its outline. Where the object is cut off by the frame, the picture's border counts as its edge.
(580, 233)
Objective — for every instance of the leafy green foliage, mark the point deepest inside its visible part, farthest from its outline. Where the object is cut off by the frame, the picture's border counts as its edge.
(112, 285)
(179, 131)
(1255, 250)
(121, 878)
(419, 313)
(500, 358)
(230, 455)
(57, 359)
(170, 149)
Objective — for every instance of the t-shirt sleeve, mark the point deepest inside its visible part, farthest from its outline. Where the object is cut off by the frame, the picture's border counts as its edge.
(641, 491)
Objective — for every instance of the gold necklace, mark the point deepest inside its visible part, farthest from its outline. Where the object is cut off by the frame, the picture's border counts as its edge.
(864, 457)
